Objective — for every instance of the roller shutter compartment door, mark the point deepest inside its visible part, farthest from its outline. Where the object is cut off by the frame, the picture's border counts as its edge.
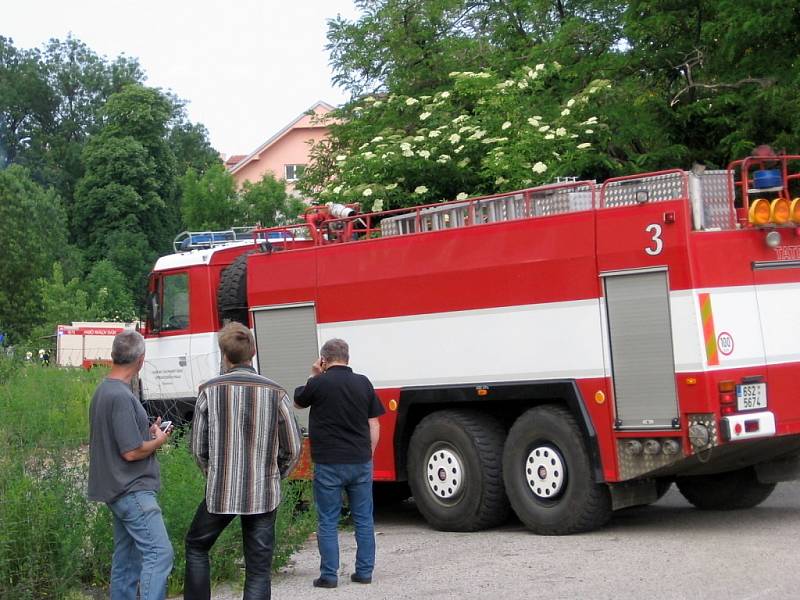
(642, 361)
(286, 341)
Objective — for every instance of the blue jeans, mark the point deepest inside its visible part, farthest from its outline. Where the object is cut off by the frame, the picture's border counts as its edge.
(142, 550)
(329, 482)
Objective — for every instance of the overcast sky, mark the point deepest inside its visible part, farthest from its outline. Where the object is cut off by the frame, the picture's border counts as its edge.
(247, 68)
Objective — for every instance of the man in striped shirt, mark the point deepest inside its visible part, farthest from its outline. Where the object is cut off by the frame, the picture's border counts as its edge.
(245, 439)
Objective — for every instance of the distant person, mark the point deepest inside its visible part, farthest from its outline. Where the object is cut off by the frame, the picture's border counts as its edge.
(344, 431)
(245, 439)
(124, 473)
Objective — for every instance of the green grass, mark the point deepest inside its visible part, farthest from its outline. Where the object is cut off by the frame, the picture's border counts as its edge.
(53, 541)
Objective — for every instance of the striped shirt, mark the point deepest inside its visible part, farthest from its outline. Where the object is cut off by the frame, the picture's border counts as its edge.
(245, 439)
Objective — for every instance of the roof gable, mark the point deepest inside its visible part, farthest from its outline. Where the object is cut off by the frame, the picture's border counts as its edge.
(303, 121)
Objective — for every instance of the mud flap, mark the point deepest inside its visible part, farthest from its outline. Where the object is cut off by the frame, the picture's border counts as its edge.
(633, 493)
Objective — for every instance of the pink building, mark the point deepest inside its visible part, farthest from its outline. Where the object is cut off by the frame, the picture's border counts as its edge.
(285, 154)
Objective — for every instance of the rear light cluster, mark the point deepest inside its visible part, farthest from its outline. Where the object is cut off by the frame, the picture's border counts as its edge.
(780, 211)
(727, 397)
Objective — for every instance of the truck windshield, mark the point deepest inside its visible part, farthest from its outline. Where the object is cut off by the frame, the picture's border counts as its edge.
(175, 309)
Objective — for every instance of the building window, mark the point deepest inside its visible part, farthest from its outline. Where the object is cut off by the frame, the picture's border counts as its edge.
(293, 172)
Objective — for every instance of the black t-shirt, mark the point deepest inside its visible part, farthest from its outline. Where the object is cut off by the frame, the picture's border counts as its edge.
(341, 403)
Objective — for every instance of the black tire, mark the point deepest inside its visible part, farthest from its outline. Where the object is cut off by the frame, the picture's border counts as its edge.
(467, 446)
(546, 447)
(733, 490)
(232, 292)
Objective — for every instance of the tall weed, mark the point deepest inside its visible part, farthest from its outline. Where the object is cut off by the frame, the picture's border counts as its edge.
(53, 541)
(42, 525)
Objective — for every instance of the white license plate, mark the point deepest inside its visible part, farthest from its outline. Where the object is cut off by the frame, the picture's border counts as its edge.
(751, 395)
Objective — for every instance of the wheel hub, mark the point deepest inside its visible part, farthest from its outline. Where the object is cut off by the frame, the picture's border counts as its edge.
(544, 472)
(444, 473)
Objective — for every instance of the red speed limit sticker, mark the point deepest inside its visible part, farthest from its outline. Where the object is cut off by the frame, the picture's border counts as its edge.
(725, 343)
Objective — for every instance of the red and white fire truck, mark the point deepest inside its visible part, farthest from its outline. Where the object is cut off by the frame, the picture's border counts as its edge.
(562, 351)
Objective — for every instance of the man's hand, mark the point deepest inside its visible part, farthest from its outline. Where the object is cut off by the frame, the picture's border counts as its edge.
(158, 438)
(159, 434)
(317, 367)
(374, 432)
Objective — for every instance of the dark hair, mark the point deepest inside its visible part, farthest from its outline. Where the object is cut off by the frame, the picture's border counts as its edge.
(236, 343)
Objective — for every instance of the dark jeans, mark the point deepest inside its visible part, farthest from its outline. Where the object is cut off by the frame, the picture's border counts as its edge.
(330, 480)
(258, 533)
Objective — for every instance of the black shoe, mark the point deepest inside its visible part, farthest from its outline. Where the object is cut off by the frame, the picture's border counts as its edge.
(360, 579)
(325, 583)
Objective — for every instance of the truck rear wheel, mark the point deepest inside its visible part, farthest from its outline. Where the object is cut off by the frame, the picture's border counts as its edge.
(455, 470)
(549, 476)
(725, 491)
(232, 292)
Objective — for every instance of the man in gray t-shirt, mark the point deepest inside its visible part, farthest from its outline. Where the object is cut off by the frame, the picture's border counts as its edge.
(118, 424)
(124, 473)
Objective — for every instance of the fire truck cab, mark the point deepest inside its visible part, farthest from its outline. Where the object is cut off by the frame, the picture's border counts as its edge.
(561, 351)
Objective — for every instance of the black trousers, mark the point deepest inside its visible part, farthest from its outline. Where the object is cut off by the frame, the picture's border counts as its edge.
(258, 533)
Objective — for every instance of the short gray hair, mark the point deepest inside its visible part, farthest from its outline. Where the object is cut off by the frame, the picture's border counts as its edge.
(335, 350)
(128, 346)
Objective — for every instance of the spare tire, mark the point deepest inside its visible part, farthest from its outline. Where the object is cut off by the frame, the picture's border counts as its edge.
(232, 292)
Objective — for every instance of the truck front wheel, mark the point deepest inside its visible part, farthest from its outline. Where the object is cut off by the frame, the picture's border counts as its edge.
(549, 476)
(455, 470)
(725, 491)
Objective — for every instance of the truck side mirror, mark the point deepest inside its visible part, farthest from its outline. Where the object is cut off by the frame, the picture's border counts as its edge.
(154, 312)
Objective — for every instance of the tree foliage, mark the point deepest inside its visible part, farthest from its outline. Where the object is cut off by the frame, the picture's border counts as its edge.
(108, 294)
(209, 200)
(129, 186)
(57, 94)
(212, 202)
(690, 81)
(112, 149)
(482, 135)
(267, 203)
(32, 226)
(62, 301)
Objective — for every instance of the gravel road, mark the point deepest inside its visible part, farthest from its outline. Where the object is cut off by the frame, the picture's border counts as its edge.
(668, 551)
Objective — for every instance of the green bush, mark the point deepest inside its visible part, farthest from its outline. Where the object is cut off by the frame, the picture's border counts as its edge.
(47, 407)
(42, 517)
(53, 541)
(8, 366)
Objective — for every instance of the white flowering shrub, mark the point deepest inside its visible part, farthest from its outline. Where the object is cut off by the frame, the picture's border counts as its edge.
(481, 136)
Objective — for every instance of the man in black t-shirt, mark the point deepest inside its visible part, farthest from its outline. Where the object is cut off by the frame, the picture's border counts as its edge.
(344, 431)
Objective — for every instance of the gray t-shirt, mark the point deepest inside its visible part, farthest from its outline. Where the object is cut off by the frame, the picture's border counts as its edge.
(117, 424)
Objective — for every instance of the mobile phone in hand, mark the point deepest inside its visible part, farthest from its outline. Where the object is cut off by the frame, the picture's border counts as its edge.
(165, 425)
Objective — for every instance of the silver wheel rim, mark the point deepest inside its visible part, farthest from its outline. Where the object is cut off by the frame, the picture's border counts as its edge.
(545, 472)
(444, 474)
